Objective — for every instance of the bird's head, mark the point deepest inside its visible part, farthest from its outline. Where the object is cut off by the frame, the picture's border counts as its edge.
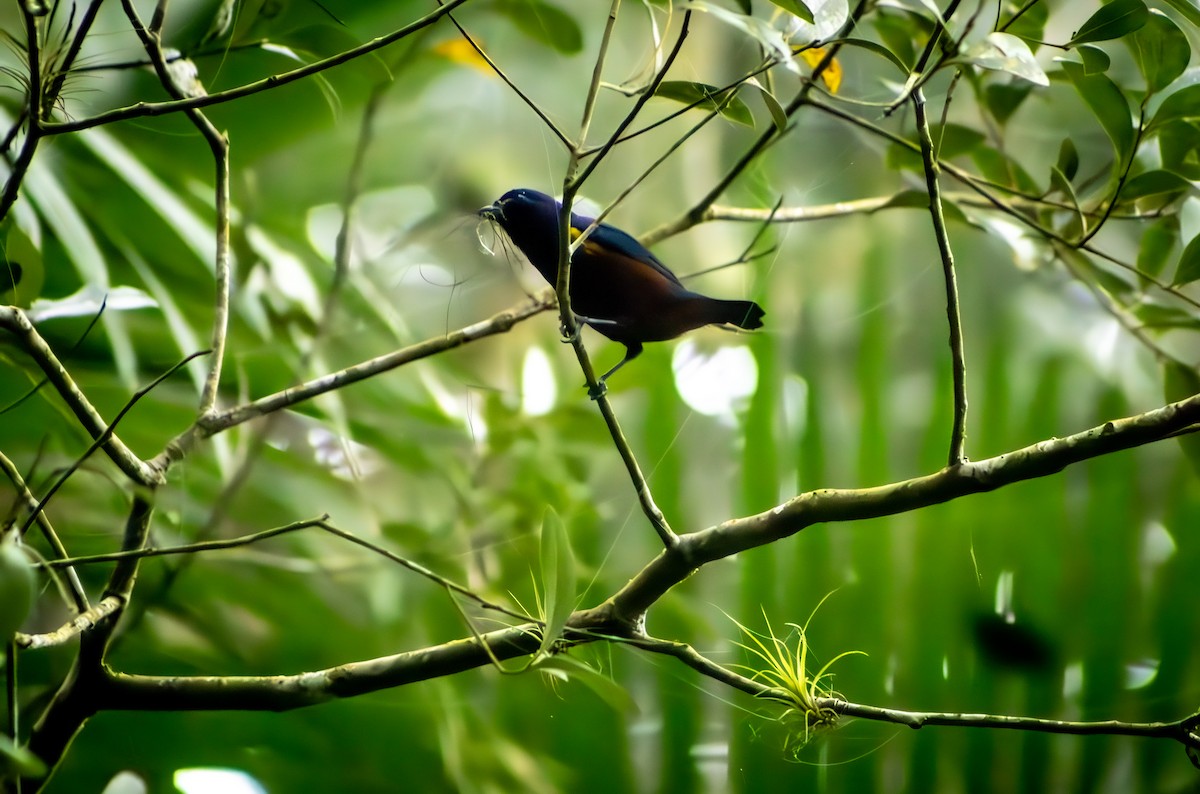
(523, 209)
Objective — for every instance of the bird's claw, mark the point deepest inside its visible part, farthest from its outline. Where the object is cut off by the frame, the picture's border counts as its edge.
(598, 391)
(570, 337)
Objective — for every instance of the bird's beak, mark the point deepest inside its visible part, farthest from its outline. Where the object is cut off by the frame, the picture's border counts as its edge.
(492, 212)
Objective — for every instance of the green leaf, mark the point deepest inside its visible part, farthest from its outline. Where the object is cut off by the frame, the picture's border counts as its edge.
(1109, 106)
(1189, 264)
(1003, 99)
(18, 761)
(1068, 159)
(603, 686)
(896, 32)
(1157, 316)
(797, 8)
(1179, 149)
(1179, 383)
(1112, 21)
(778, 114)
(917, 199)
(955, 139)
(1004, 52)
(1095, 60)
(1187, 8)
(1031, 25)
(1110, 282)
(544, 22)
(1062, 183)
(558, 578)
(1158, 241)
(878, 49)
(1161, 51)
(1154, 183)
(998, 167)
(709, 97)
(760, 30)
(950, 141)
(1183, 105)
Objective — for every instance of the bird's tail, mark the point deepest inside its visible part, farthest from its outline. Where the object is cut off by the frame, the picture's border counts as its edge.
(743, 314)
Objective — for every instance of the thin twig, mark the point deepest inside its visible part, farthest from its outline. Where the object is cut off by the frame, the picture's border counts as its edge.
(541, 114)
(641, 101)
(145, 109)
(34, 128)
(79, 341)
(1112, 201)
(218, 144)
(868, 206)
(958, 364)
(321, 523)
(10, 689)
(223, 420)
(918, 75)
(64, 67)
(719, 91)
(78, 594)
(981, 187)
(589, 102)
(102, 439)
(693, 215)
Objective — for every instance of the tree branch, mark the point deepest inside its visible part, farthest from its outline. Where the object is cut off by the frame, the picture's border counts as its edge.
(219, 421)
(218, 144)
(958, 363)
(145, 109)
(14, 320)
(816, 507)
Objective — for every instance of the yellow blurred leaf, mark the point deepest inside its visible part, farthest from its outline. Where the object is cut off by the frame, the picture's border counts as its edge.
(832, 76)
(461, 51)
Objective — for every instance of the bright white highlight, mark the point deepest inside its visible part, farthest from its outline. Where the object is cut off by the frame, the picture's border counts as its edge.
(539, 391)
(213, 780)
(714, 384)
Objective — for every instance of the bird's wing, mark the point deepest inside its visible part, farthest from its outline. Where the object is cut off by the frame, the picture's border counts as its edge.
(613, 239)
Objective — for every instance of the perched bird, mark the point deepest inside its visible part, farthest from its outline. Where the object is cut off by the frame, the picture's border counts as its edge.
(617, 286)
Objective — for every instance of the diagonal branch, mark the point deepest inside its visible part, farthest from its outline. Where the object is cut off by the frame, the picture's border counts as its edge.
(693, 216)
(817, 507)
(219, 421)
(321, 523)
(146, 109)
(17, 323)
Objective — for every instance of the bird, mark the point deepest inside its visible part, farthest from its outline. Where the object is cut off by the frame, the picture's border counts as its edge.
(617, 286)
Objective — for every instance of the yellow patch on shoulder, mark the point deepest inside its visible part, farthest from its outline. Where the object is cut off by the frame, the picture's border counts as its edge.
(589, 247)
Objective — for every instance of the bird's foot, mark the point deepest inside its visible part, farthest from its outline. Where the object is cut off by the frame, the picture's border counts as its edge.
(595, 393)
(571, 337)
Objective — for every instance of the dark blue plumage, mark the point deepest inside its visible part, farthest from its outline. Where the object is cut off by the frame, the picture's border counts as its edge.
(617, 286)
